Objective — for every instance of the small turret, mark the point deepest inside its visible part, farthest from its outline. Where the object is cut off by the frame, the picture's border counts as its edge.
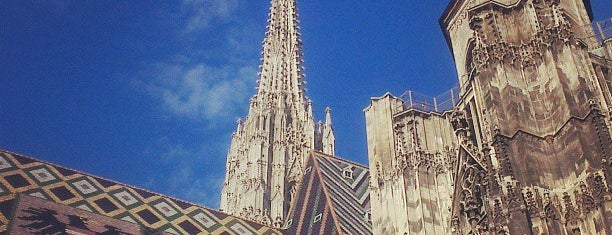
(328, 138)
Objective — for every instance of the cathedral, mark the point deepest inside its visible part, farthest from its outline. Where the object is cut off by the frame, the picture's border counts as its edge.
(522, 146)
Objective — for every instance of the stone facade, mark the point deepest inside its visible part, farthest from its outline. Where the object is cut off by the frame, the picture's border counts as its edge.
(527, 149)
(410, 154)
(268, 150)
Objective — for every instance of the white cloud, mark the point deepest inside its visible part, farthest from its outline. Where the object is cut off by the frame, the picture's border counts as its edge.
(202, 92)
(208, 83)
(213, 83)
(201, 13)
(175, 153)
(188, 179)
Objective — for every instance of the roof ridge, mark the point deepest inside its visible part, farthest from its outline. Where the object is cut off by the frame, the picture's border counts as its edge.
(328, 200)
(342, 199)
(337, 158)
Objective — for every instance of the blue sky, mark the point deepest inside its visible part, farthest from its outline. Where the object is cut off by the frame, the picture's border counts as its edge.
(148, 92)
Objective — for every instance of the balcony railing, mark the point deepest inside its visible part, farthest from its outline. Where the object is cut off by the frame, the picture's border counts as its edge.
(596, 32)
(603, 29)
(440, 103)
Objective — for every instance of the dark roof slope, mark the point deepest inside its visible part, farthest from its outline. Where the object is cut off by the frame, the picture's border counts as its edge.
(333, 198)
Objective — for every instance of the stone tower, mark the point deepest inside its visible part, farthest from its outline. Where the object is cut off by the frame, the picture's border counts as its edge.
(268, 148)
(527, 149)
(533, 124)
(410, 151)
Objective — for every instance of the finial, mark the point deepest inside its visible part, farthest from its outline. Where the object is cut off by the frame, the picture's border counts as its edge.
(328, 116)
(240, 124)
(309, 108)
(320, 126)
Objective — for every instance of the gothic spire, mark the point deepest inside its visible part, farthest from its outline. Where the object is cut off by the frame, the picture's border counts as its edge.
(281, 68)
(269, 148)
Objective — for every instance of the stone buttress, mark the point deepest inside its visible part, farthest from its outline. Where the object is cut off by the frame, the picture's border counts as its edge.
(410, 153)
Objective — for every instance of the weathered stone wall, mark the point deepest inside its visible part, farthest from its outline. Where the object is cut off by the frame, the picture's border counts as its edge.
(608, 46)
(381, 155)
(534, 123)
(410, 154)
(456, 25)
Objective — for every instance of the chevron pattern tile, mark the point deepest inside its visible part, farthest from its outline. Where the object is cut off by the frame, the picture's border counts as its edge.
(333, 198)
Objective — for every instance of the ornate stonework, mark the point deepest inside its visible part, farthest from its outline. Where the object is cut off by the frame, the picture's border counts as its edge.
(411, 154)
(527, 148)
(268, 150)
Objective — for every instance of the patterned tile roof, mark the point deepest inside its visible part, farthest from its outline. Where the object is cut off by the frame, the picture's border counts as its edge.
(23, 175)
(333, 198)
(33, 215)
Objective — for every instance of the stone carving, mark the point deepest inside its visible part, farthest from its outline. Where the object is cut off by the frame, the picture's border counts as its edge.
(279, 130)
(491, 48)
(516, 83)
(472, 188)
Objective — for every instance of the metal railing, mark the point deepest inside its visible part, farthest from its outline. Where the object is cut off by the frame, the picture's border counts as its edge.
(598, 31)
(440, 103)
(603, 29)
